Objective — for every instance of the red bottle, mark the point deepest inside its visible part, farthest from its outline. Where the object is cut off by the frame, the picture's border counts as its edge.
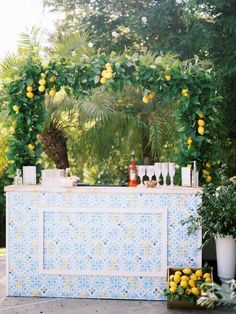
(132, 172)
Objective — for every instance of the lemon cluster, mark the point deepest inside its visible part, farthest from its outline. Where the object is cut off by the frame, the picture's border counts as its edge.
(187, 281)
(201, 124)
(29, 91)
(42, 83)
(149, 97)
(107, 73)
(207, 173)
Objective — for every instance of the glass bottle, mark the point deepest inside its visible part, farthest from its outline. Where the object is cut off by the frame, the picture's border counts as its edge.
(132, 172)
(18, 178)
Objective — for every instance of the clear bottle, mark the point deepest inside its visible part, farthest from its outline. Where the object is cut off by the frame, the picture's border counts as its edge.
(132, 172)
(18, 178)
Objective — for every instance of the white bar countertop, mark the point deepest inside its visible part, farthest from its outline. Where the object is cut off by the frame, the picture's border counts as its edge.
(104, 189)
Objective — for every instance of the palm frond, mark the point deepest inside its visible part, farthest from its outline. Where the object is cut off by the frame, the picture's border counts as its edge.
(9, 65)
(73, 46)
(30, 38)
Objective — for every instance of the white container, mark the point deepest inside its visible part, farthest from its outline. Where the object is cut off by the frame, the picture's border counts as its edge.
(29, 175)
(186, 176)
(226, 258)
(52, 177)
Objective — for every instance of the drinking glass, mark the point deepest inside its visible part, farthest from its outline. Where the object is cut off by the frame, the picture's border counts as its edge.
(150, 172)
(157, 168)
(171, 172)
(141, 173)
(164, 171)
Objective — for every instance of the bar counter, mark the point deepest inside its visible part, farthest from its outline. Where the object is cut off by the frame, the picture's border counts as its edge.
(98, 242)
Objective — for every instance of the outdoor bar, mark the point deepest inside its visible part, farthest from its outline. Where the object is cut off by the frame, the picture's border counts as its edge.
(98, 242)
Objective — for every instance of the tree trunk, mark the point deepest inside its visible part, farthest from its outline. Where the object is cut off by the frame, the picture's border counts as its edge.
(54, 144)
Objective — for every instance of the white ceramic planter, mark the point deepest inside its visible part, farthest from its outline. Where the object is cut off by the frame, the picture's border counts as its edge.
(226, 257)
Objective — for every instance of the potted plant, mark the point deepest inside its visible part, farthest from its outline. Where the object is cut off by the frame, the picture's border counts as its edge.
(217, 218)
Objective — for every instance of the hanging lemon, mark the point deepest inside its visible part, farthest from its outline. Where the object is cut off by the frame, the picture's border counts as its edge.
(185, 92)
(103, 80)
(16, 108)
(201, 130)
(168, 77)
(42, 82)
(52, 92)
(41, 88)
(43, 75)
(201, 115)
(189, 140)
(29, 88)
(30, 95)
(201, 122)
(52, 79)
(31, 147)
(208, 179)
(145, 99)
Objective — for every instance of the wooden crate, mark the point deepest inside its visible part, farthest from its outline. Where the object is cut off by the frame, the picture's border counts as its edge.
(182, 304)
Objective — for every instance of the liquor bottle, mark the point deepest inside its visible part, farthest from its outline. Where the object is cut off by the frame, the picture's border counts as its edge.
(132, 172)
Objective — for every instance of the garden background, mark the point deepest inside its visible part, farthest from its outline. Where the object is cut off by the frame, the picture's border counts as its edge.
(95, 136)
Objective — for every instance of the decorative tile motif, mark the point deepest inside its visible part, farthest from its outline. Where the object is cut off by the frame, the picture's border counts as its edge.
(24, 276)
(106, 242)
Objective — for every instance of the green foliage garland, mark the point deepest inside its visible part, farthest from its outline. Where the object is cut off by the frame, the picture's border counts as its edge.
(190, 84)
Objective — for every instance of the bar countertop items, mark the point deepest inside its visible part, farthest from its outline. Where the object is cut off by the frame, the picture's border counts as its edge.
(98, 242)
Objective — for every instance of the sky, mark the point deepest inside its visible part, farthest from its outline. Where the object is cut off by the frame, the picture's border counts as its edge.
(16, 15)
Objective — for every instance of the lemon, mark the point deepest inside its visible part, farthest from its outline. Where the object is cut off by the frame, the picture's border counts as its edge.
(29, 88)
(208, 165)
(200, 122)
(52, 79)
(108, 65)
(208, 279)
(16, 108)
(41, 88)
(194, 277)
(107, 74)
(201, 130)
(185, 278)
(171, 277)
(206, 172)
(42, 82)
(168, 77)
(145, 99)
(103, 80)
(187, 271)
(189, 140)
(30, 95)
(31, 147)
(208, 179)
(191, 283)
(177, 278)
(207, 275)
(43, 75)
(151, 95)
(201, 115)
(185, 92)
(52, 92)
(173, 284)
(178, 272)
(184, 283)
(198, 273)
(195, 291)
(172, 289)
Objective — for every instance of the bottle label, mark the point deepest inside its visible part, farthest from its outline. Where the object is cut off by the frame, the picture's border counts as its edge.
(132, 175)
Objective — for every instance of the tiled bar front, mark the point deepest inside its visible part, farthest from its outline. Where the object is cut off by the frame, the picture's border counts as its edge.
(94, 242)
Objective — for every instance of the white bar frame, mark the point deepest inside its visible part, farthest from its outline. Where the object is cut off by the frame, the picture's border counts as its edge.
(58, 271)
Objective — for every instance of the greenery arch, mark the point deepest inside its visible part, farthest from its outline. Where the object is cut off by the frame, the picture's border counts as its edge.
(190, 84)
